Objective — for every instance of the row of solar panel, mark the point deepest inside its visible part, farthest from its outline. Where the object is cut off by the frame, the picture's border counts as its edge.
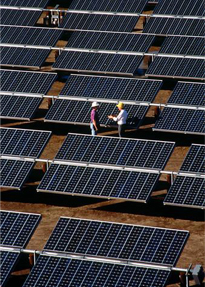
(118, 23)
(90, 237)
(131, 6)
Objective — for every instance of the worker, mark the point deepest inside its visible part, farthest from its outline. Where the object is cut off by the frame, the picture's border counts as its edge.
(94, 119)
(121, 119)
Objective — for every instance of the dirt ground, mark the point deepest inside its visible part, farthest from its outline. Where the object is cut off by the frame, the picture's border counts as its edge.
(52, 206)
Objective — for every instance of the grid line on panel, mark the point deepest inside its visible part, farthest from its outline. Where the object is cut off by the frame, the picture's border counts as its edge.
(19, 17)
(119, 241)
(25, 3)
(8, 261)
(194, 160)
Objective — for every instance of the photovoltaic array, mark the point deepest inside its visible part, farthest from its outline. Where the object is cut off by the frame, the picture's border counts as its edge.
(25, 3)
(19, 17)
(110, 41)
(8, 261)
(174, 26)
(99, 22)
(98, 182)
(183, 46)
(98, 62)
(78, 112)
(23, 143)
(30, 35)
(181, 120)
(18, 107)
(25, 57)
(120, 241)
(26, 82)
(14, 172)
(186, 191)
(176, 68)
(115, 151)
(134, 90)
(182, 8)
(194, 161)
(17, 228)
(75, 272)
(130, 6)
(188, 94)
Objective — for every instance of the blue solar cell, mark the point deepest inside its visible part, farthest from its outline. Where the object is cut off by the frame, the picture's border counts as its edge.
(24, 143)
(25, 3)
(58, 270)
(99, 22)
(186, 191)
(8, 261)
(119, 241)
(17, 228)
(180, 120)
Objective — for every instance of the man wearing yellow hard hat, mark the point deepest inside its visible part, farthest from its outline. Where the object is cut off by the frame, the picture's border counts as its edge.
(121, 119)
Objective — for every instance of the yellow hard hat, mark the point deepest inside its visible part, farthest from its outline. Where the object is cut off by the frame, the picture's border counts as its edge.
(120, 105)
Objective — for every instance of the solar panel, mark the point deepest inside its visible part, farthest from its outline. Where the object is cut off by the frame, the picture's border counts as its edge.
(61, 271)
(98, 62)
(119, 241)
(17, 228)
(186, 7)
(18, 107)
(22, 142)
(27, 57)
(26, 81)
(14, 172)
(30, 35)
(176, 68)
(99, 22)
(181, 120)
(183, 46)
(25, 3)
(78, 112)
(124, 89)
(8, 261)
(129, 6)
(186, 191)
(19, 17)
(115, 151)
(191, 94)
(98, 182)
(110, 41)
(174, 26)
(194, 161)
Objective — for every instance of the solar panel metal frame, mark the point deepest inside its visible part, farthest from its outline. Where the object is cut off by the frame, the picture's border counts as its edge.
(117, 69)
(12, 176)
(132, 122)
(10, 231)
(110, 224)
(103, 169)
(180, 193)
(14, 74)
(4, 278)
(187, 159)
(17, 100)
(13, 132)
(155, 128)
(116, 139)
(94, 272)
(65, 94)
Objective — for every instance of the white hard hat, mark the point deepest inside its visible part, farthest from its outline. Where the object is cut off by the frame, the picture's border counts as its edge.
(95, 104)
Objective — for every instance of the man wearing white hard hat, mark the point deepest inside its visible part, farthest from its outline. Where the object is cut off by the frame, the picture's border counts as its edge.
(121, 119)
(94, 119)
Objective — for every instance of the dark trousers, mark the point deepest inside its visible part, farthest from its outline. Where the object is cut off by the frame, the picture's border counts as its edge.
(121, 130)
